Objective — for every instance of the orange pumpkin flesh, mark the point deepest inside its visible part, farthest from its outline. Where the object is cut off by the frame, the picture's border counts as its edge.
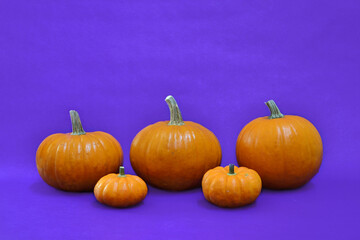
(120, 190)
(231, 186)
(174, 155)
(77, 160)
(286, 151)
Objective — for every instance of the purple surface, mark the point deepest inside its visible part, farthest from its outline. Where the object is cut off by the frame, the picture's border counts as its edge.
(115, 62)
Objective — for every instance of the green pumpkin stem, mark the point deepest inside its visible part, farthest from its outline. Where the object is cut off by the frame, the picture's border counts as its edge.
(77, 128)
(231, 170)
(175, 114)
(122, 172)
(275, 112)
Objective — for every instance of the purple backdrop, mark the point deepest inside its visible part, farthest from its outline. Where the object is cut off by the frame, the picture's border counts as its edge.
(116, 61)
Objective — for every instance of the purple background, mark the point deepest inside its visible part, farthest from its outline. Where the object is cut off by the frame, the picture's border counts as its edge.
(115, 62)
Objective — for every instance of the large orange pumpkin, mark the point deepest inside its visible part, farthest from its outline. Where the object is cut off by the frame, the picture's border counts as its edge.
(175, 154)
(76, 161)
(120, 190)
(231, 186)
(286, 151)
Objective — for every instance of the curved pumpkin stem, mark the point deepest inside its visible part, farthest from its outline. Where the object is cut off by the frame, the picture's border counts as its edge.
(175, 114)
(122, 172)
(275, 112)
(77, 128)
(231, 170)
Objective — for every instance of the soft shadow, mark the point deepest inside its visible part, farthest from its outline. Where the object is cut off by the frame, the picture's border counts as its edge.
(41, 188)
(158, 191)
(208, 205)
(98, 205)
(307, 187)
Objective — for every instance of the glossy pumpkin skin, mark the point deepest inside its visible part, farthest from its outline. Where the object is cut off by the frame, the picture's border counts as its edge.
(235, 190)
(77, 162)
(174, 157)
(116, 191)
(286, 152)
(175, 154)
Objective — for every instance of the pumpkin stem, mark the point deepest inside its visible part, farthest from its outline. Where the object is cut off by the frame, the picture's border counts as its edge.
(175, 114)
(77, 128)
(275, 112)
(122, 172)
(231, 170)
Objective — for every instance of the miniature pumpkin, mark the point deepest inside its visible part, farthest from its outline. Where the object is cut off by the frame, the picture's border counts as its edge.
(76, 161)
(286, 151)
(120, 190)
(175, 154)
(231, 186)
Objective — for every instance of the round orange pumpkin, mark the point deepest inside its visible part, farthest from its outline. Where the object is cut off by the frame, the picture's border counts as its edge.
(286, 151)
(76, 161)
(175, 154)
(231, 186)
(120, 190)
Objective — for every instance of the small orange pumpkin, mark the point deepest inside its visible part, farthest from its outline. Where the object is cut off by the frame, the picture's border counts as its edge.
(76, 161)
(120, 190)
(174, 155)
(231, 186)
(286, 151)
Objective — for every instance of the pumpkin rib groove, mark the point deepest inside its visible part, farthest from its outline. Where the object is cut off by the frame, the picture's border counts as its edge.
(282, 141)
(144, 171)
(120, 190)
(98, 188)
(39, 154)
(55, 165)
(200, 136)
(226, 193)
(242, 136)
(149, 142)
(90, 160)
(74, 165)
(308, 146)
(203, 139)
(211, 188)
(250, 130)
(229, 191)
(103, 186)
(55, 144)
(300, 124)
(104, 152)
(176, 156)
(46, 167)
(115, 146)
(215, 144)
(292, 150)
(104, 190)
(74, 161)
(83, 150)
(210, 136)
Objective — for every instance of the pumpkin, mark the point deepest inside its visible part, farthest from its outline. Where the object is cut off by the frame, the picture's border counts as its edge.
(174, 155)
(120, 190)
(285, 150)
(76, 161)
(231, 186)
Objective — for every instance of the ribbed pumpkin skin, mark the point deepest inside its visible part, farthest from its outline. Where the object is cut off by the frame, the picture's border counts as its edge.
(286, 152)
(231, 191)
(77, 162)
(118, 191)
(174, 157)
